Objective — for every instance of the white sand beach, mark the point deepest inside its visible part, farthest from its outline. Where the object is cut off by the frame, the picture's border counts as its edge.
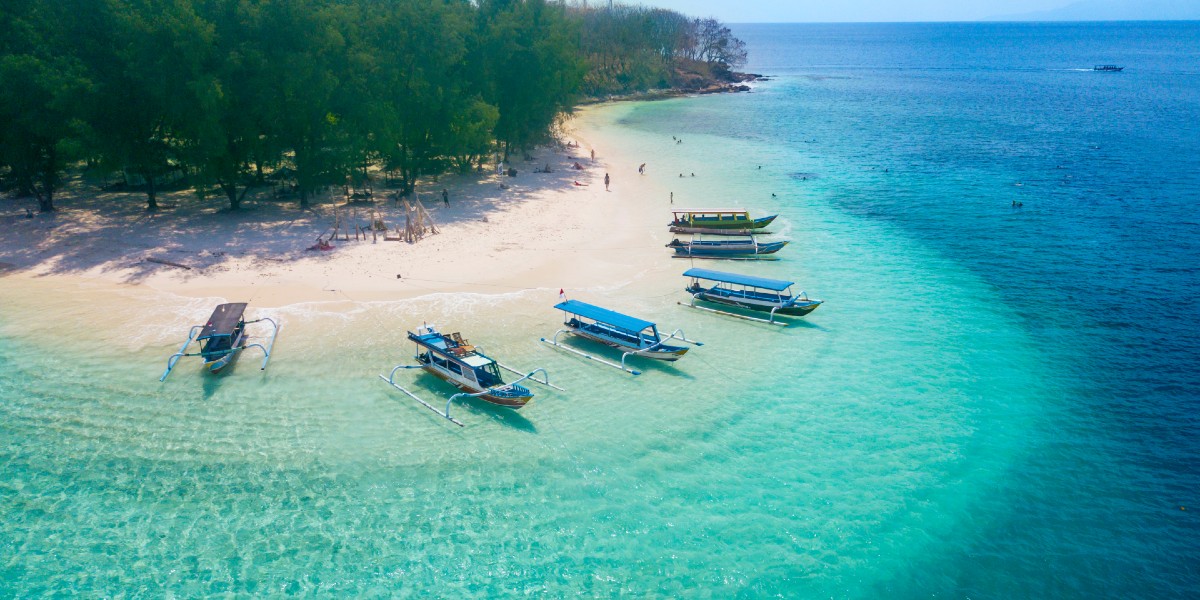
(540, 232)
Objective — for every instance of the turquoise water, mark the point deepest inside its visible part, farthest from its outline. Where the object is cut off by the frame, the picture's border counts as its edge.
(971, 413)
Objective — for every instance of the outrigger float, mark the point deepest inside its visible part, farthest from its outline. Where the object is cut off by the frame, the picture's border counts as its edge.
(751, 293)
(747, 249)
(223, 338)
(623, 332)
(717, 221)
(466, 367)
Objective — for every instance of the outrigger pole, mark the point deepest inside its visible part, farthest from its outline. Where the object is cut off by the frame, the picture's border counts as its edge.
(171, 362)
(391, 379)
(533, 379)
(675, 335)
(178, 355)
(770, 321)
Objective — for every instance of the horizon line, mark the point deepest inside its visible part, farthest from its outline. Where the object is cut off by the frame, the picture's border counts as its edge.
(995, 20)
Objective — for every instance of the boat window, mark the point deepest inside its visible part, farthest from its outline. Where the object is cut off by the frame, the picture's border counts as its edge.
(454, 368)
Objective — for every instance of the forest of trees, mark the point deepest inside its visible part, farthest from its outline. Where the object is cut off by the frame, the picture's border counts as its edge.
(221, 94)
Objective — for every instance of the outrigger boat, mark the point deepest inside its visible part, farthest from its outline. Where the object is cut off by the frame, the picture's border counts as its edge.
(623, 332)
(1108, 68)
(747, 292)
(222, 338)
(748, 248)
(717, 221)
(466, 367)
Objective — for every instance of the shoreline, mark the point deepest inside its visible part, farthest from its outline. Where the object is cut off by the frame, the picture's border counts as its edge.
(542, 232)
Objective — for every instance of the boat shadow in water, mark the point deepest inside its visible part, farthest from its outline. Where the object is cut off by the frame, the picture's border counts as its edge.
(211, 382)
(436, 392)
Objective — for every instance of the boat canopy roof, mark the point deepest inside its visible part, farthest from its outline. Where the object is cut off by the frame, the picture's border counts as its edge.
(710, 211)
(775, 285)
(475, 360)
(223, 321)
(603, 315)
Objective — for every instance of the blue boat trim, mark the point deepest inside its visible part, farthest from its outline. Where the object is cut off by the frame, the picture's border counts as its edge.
(595, 313)
(775, 285)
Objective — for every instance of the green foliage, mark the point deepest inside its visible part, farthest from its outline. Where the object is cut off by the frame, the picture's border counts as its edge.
(222, 92)
(41, 96)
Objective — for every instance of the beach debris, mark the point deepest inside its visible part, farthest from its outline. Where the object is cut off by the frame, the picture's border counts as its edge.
(417, 221)
(160, 261)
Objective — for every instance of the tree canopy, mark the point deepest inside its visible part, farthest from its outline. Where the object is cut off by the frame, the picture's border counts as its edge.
(219, 94)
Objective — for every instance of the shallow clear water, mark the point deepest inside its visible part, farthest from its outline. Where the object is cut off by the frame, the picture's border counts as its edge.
(992, 402)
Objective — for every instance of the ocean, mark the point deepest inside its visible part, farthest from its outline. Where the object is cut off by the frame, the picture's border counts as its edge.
(996, 400)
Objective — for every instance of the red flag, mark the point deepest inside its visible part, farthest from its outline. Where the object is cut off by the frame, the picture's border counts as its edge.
(562, 295)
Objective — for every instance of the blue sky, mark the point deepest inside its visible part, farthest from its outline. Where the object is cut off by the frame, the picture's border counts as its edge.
(784, 11)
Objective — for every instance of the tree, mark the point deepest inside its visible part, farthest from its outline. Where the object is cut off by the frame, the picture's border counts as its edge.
(147, 57)
(529, 62)
(41, 91)
(304, 42)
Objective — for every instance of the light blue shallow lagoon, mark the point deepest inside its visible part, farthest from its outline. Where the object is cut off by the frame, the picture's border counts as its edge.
(995, 401)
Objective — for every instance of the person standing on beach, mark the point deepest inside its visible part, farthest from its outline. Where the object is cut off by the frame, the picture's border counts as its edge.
(642, 169)
(445, 197)
(593, 154)
(606, 182)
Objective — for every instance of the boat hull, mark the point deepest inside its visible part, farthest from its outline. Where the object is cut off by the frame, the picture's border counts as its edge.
(710, 231)
(799, 309)
(215, 364)
(667, 353)
(513, 402)
(724, 249)
(725, 224)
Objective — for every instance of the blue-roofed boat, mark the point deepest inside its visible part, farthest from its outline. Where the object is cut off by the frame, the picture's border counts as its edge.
(634, 336)
(747, 292)
(453, 359)
(222, 338)
(742, 249)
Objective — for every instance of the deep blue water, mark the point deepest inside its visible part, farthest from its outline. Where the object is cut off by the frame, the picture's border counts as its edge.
(935, 129)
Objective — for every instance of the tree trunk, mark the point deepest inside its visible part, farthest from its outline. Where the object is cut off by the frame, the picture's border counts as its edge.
(151, 191)
(303, 197)
(235, 201)
(49, 173)
(46, 202)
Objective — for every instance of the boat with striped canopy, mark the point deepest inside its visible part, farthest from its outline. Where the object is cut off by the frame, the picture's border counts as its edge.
(747, 292)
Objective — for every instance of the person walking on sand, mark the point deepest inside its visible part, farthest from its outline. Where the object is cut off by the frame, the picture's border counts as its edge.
(642, 169)
(606, 182)
(445, 197)
(593, 154)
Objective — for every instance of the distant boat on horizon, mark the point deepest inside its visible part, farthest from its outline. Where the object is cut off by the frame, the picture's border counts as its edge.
(1108, 68)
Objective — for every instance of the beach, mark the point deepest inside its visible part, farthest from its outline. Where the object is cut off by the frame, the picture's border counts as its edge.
(973, 411)
(540, 232)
